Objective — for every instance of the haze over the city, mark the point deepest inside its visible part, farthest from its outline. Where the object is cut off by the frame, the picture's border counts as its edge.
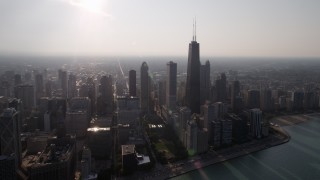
(273, 28)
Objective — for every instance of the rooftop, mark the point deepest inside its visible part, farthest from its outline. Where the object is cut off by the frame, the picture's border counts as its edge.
(128, 149)
(98, 129)
(9, 112)
(142, 159)
(52, 154)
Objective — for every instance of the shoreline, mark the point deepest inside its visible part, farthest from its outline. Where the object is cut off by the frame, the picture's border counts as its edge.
(278, 137)
(284, 121)
(244, 152)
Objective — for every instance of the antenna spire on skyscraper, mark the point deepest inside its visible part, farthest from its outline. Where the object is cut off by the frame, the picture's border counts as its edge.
(195, 29)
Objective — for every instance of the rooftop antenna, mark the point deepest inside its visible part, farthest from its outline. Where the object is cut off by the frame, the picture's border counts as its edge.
(195, 29)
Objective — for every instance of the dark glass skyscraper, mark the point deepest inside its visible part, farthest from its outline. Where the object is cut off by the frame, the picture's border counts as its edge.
(221, 88)
(63, 82)
(72, 86)
(132, 83)
(10, 134)
(144, 97)
(171, 87)
(106, 95)
(192, 98)
(38, 87)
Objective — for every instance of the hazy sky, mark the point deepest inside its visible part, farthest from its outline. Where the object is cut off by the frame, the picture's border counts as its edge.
(160, 27)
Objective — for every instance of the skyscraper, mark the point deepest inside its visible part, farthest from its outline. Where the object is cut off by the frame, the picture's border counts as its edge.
(63, 82)
(26, 94)
(72, 86)
(7, 167)
(236, 99)
(193, 77)
(266, 103)
(205, 82)
(208, 117)
(253, 99)
(48, 88)
(297, 100)
(17, 79)
(144, 97)
(89, 90)
(255, 122)
(162, 92)
(10, 134)
(171, 87)
(221, 88)
(39, 87)
(106, 95)
(132, 83)
(235, 91)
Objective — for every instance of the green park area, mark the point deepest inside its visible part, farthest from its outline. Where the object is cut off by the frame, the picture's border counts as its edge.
(164, 142)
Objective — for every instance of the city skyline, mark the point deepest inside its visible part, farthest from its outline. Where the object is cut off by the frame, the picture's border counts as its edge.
(106, 89)
(189, 119)
(100, 28)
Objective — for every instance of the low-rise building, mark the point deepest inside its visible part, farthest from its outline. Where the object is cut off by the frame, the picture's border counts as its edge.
(131, 159)
(56, 161)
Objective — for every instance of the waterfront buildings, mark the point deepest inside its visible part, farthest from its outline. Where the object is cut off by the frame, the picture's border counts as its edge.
(255, 117)
(239, 128)
(215, 134)
(226, 131)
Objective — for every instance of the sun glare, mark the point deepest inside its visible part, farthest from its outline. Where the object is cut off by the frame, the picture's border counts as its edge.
(94, 6)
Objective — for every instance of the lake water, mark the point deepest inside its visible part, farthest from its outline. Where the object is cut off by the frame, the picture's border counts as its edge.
(297, 159)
